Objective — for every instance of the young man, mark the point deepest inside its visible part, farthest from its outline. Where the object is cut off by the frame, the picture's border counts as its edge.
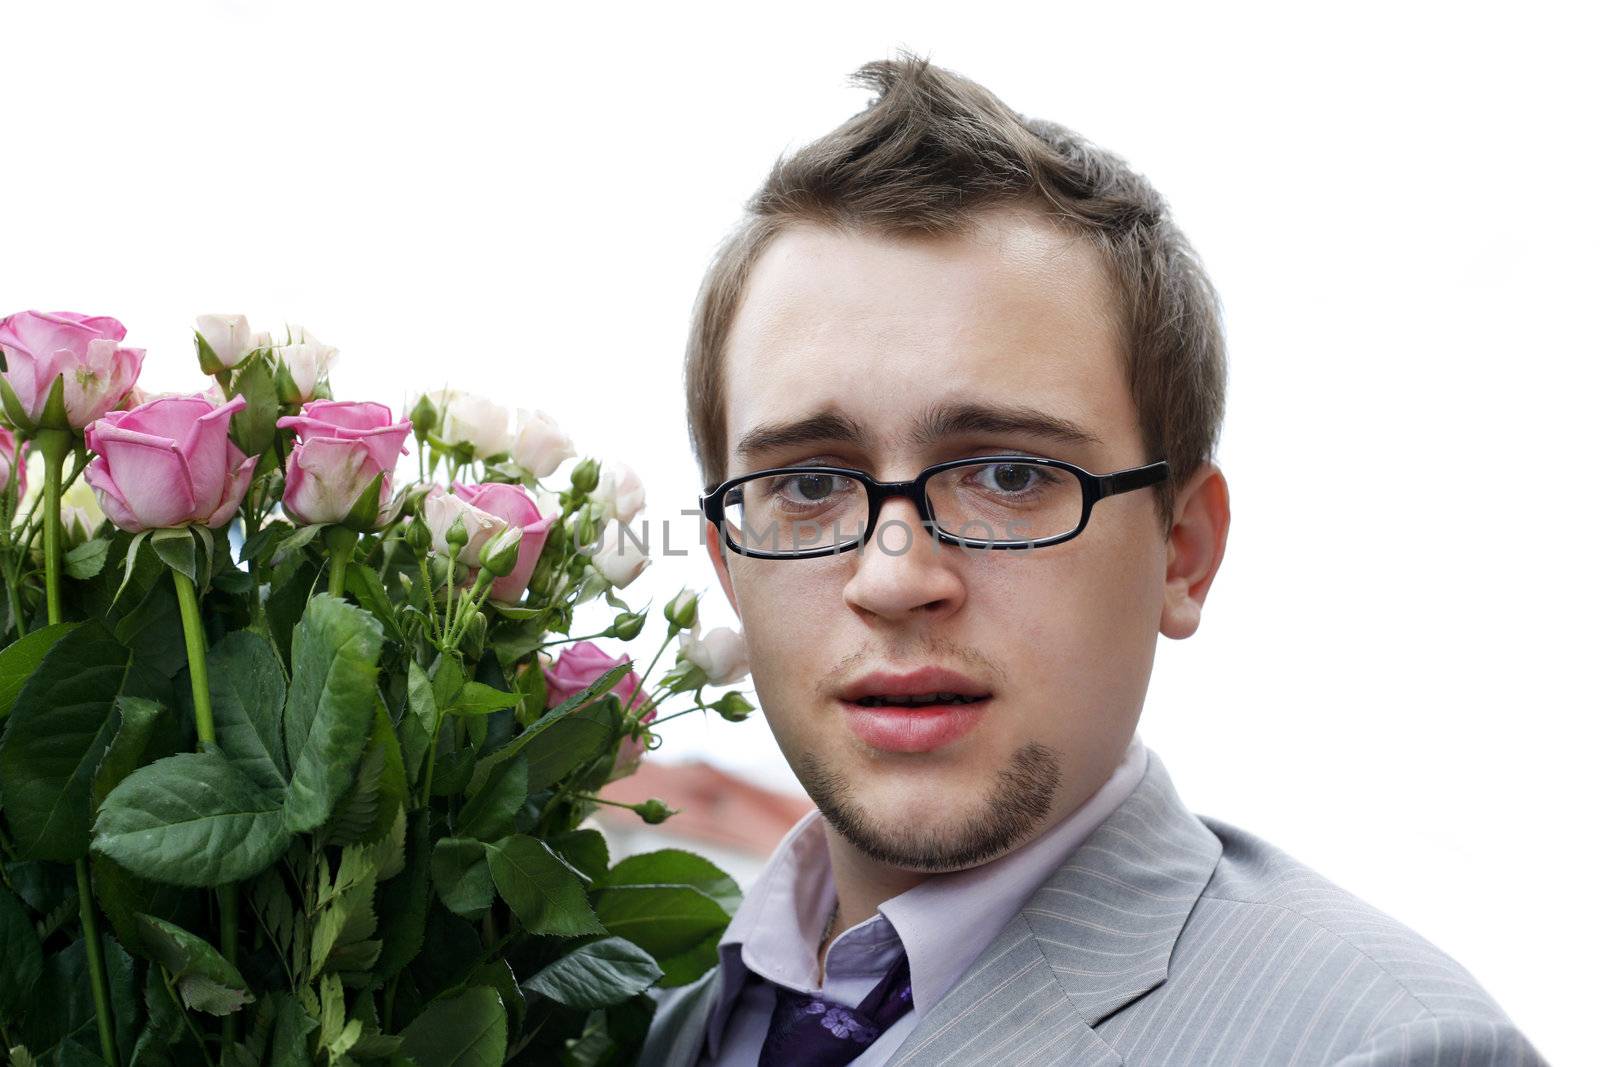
(999, 871)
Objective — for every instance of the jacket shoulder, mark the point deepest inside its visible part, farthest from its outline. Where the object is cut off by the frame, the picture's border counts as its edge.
(1255, 876)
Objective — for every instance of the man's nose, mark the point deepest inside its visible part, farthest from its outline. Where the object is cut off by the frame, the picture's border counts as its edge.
(903, 570)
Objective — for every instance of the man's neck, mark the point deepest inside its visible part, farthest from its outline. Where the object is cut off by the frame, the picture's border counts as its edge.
(862, 883)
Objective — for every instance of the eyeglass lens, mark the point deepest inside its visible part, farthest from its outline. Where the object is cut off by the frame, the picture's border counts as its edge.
(801, 511)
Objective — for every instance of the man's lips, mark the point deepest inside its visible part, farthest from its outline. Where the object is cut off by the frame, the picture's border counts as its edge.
(907, 729)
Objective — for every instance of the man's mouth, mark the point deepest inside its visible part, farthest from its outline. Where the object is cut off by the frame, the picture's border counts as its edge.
(913, 724)
(922, 701)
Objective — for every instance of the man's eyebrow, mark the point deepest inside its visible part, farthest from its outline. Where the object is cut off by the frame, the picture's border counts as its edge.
(938, 423)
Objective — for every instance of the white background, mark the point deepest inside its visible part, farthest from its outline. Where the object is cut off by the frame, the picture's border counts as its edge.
(1394, 680)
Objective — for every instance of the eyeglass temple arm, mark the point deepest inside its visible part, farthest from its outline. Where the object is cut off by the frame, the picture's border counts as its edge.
(1136, 478)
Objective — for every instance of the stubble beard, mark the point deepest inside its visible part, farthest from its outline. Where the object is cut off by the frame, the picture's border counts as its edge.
(1021, 796)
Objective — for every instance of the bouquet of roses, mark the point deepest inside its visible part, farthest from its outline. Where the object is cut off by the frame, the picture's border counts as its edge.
(312, 791)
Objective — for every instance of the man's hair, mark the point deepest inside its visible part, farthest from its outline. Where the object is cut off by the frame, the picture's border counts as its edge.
(927, 153)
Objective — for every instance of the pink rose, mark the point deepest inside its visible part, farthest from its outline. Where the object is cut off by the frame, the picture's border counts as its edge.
(168, 462)
(13, 457)
(513, 504)
(575, 670)
(81, 349)
(343, 445)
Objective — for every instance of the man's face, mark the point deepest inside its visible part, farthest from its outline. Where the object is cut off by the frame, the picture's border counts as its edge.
(881, 330)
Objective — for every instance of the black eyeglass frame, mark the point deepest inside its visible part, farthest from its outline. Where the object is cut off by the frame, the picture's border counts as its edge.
(1096, 487)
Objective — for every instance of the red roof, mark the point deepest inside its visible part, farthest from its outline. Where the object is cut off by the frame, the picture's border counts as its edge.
(714, 806)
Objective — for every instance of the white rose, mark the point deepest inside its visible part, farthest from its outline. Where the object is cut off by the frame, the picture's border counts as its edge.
(35, 481)
(620, 559)
(472, 419)
(305, 360)
(441, 508)
(620, 493)
(80, 508)
(78, 501)
(721, 653)
(228, 335)
(540, 446)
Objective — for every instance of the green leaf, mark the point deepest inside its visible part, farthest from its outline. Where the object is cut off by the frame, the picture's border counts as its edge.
(363, 581)
(447, 680)
(247, 693)
(585, 850)
(420, 700)
(464, 1031)
(367, 810)
(164, 1021)
(363, 514)
(137, 719)
(289, 1046)
(574, 741)
(58, 731)
(192, 819)
(491, 813)
(209, 541)
(255, 426)
(176, 549)
(88, 559)
(262, 540)
(206, 981)
(21, 658)
(330, 710)
(16, 413)
(122, 895)
(128, 562)
(341, 939)
(685, 967)
(403, 901)
(546, 895)
(674, 866)
(664, 920)
(476, 698)
(61, 1007)
(595, 731)
(461, 876)
(23, 958)
(153, 628)
(291, 592)
(597, 974)
(301, 537)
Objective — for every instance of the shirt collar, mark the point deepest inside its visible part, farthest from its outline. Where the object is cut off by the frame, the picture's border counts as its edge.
(779, 922)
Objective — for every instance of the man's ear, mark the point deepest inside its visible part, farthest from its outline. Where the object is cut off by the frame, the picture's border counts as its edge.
(719, 563)
(1194, 549)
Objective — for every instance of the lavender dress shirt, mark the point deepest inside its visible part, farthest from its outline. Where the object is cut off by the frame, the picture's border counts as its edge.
(943, 923)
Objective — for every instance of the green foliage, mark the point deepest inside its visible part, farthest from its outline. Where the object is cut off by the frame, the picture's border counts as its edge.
(596, 975)
(360, 839)
(329, 712)
(205, 980)
(196, 819)
(58, 730)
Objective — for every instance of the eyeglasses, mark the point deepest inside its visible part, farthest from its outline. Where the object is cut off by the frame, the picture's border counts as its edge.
(807, 511)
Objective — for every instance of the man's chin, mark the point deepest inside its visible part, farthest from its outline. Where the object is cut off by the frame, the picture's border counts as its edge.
(941, 829)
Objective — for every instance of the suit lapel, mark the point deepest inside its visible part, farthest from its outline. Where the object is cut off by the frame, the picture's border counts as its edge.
(1095, 936)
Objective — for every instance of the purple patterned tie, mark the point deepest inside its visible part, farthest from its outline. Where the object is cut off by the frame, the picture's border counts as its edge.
(808, 1031)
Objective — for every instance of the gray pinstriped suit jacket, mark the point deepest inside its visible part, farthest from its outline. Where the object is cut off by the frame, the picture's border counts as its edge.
(1171, 938)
